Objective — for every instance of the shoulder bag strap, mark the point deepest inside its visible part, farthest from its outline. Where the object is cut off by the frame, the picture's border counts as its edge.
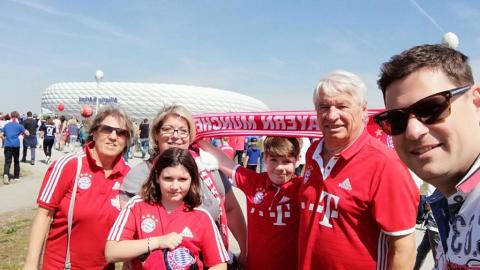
(70, 210)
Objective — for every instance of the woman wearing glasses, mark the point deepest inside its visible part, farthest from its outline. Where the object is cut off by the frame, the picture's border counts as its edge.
(96, 203)
(174, 127)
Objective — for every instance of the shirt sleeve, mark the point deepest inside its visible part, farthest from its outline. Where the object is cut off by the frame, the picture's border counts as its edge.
(134, 180)
(395, 199)
(245, 179)
(125, 226)
(57, 182)
(212, 247)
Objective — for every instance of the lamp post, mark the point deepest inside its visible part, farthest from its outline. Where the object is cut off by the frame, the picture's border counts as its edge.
(98, 78)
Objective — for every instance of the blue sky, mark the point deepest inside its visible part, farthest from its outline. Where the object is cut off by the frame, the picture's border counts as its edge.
(275, 51)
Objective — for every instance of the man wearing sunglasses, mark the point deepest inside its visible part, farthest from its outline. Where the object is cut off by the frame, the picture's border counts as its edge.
(358, 203)
(433, 115)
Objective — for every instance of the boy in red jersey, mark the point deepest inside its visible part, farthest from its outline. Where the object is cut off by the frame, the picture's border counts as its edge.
(272, 204)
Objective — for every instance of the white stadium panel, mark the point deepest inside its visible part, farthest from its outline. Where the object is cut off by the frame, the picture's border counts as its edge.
(144, 100)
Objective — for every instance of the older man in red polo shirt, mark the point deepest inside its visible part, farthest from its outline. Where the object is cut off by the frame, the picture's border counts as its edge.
(358, 203)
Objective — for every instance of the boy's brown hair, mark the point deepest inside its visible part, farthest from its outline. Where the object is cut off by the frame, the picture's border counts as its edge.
(281, 147)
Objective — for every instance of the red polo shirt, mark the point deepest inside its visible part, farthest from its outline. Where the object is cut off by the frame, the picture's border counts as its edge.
(272, 213)
(349, 206)
(140, 220)
(96, 207)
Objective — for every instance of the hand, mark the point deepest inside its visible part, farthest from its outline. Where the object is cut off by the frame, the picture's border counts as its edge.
(170, 241)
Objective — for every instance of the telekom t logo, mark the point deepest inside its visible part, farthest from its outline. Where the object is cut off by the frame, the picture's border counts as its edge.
(326, 199)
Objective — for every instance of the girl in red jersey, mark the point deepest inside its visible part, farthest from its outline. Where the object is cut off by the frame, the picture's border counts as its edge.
(164, 222)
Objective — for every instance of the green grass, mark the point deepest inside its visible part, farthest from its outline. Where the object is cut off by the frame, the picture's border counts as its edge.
(14, 233)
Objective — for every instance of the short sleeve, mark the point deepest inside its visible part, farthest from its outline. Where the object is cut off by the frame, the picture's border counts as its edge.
(124, 227)
(396, 199)
(212, 247)
(245, 179)
(134, 180)
(57, 182)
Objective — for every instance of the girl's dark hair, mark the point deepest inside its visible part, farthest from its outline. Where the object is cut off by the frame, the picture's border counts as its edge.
(173, 157)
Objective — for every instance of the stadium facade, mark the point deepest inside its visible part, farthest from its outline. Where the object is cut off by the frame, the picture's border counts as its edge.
(143, 100)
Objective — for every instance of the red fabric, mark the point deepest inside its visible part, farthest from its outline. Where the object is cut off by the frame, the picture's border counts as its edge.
(96, 207)
(154, 261)
(228, 150)
(273, 217)
(345, 216)
(271, 123)
(140, 220)
(236, 142)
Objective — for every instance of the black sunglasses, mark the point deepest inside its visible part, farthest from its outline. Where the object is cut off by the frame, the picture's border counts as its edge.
(108, 129)
(428, 110)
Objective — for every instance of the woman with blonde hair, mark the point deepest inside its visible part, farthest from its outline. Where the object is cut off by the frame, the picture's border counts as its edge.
(173, 127)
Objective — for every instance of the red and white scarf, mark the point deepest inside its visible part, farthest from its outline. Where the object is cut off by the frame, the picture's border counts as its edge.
(272, 123)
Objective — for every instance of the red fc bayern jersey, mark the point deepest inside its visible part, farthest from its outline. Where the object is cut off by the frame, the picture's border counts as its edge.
(350, 204)
(96, 208)
(140, 220)
(273, 215)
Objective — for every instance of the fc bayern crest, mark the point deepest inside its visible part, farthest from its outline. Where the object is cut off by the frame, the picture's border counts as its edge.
(148, 224)
(85, 181)
(258, 198)
(179, 259)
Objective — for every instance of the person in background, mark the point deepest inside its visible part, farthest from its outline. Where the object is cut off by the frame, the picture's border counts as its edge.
(237, 143)
(165, 218)
(358, 202)
(48, 129)
(304, 145)
(252, 155)
(96, 204)
(12, 130)
(226, 148)
(433, 116)
(143, 137)
(73, 132)
(30, 141)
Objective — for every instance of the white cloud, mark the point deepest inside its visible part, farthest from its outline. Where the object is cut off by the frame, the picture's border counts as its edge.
(425, 14)
(94, 24)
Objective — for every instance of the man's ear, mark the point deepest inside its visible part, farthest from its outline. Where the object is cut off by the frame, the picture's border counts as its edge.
(476, 96)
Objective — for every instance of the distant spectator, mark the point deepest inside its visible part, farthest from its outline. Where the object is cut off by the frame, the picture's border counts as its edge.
(73, 131)
(49, 131)
(143, 137)
(12, 147)
(304, 145)
(226, 148)
(30, 141)
(252, 155)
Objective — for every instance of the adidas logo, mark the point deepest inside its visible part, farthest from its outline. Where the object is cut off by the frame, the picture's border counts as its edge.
(284, 199)
(346, 185)
(187, 233)
(116, 186)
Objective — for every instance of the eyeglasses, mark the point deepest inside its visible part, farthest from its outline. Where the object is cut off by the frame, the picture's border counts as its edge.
(109, 129)
(169, 131)
(428, 110)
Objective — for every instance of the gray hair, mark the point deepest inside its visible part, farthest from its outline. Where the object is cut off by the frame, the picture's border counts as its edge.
(341, 81)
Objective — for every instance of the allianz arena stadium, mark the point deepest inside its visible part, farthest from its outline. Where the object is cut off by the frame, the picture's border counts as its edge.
(143, 100)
